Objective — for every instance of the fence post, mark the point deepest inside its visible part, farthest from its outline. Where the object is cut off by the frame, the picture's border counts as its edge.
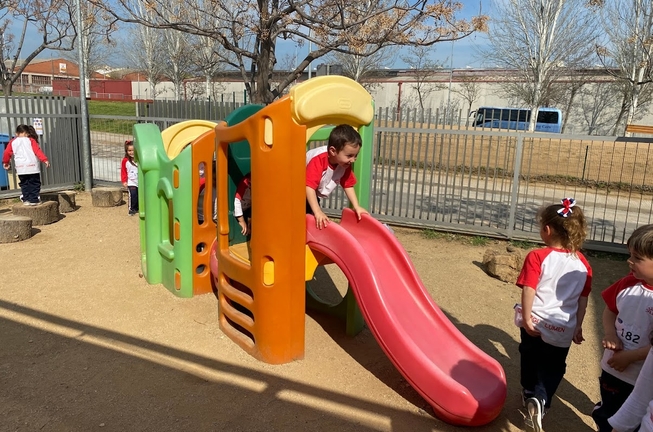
(515, 184)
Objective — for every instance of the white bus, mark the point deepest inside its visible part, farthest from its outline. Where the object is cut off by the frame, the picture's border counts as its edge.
(548, 119)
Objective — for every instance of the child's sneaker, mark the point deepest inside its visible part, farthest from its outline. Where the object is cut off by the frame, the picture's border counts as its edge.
(534, 414)
(26, 203)
(525, 395)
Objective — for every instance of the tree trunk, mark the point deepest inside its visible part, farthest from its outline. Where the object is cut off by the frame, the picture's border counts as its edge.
(42, 214)
(15, 228)
(106, 196)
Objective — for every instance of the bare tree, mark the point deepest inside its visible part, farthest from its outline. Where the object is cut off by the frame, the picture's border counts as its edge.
(565, 89)
(628, 26)
(540, 39)
(206, 59)
(177, 59)
(51, 19)
(249, 30)
(143, 50)
(598, 106)
(95, 39)
(363, 68)
(423, 69)
(469, 89)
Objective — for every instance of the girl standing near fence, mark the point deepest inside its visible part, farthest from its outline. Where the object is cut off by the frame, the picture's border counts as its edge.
(129, 177)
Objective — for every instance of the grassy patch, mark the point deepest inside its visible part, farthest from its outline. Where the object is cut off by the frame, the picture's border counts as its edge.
(118, 109)
(430, 234)
(96, 107)
(479, 241)
(522, 244)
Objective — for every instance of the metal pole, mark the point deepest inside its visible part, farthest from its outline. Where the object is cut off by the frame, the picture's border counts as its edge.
(450, 79)
(87, 163)
(310, 48)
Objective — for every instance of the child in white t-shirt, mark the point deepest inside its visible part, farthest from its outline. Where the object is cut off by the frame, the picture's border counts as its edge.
(555, 281)
(627, 322)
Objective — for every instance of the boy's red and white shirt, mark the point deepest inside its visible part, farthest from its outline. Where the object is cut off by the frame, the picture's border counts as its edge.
(324, 177)
(560, 278)
(632, 300)
(243, 196)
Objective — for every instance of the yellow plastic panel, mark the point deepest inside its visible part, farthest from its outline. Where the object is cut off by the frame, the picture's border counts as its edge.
(331, 99)
(178, 136)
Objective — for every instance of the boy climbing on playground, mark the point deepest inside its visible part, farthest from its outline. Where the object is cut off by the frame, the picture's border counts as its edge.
(627, 322)
(330, 165)
(27, 153)
(243, 204)
(555, 281)
(129, 176)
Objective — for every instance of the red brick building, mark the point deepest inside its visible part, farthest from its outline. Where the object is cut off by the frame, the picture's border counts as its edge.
(40, 74)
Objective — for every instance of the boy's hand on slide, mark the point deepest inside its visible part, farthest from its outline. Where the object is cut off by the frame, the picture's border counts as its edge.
(321, 220)
(360, 211)
(6, 166)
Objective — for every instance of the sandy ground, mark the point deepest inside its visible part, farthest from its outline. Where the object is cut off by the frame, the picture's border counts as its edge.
(87, 344)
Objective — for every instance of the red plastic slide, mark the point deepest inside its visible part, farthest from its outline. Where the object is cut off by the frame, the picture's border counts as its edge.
(464, 385)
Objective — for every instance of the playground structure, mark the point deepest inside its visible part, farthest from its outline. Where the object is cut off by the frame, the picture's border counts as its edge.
(261, 283)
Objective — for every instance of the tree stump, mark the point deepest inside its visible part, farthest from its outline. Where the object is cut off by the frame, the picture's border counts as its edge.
(42, 214)
(14, 228)
(106, 196)
(66, 200)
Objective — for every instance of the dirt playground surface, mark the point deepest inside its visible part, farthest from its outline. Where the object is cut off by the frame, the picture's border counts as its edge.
(87, 344)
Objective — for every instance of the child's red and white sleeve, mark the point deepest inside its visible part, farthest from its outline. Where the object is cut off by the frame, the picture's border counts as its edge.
(9, 151)
(314, 170)
(531, 270)
(123, 170)
(37, 151)
(610, 293)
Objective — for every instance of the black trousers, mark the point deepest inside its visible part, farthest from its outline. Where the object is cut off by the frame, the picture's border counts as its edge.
(133, 199)
(614, 393)
(30, 187)
(542, 367)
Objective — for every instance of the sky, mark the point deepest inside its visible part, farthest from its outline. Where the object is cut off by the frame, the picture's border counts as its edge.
(465, 51)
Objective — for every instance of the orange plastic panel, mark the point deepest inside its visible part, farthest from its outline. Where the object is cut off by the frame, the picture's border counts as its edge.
(267, 321)
(203, 234)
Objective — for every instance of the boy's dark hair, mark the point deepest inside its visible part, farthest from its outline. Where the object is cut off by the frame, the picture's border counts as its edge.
(641, 241)
(29, 130)
(570, 231)
(342, 135)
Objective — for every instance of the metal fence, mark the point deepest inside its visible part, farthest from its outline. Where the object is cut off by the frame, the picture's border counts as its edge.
(425, 174)
(59, 138)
